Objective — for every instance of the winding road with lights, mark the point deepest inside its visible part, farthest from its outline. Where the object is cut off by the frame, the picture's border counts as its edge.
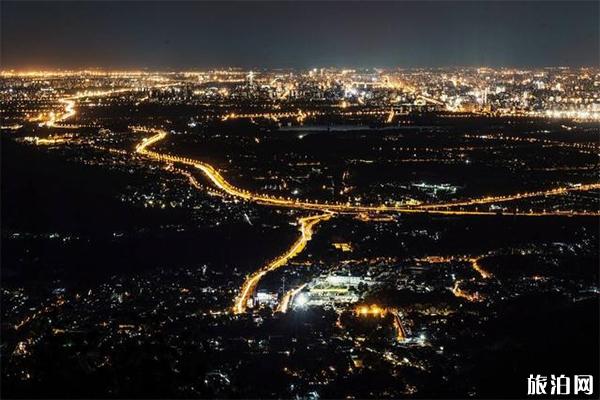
(326, 210)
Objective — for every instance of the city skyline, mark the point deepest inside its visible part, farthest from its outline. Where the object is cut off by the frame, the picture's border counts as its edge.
(373, 234)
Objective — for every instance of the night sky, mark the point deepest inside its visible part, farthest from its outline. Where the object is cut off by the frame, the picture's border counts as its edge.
(168, 35)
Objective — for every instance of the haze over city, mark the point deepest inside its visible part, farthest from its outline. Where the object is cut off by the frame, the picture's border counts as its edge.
(285, 34)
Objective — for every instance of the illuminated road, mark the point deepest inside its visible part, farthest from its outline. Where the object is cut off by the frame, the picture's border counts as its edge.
(458, 292)
(517, 196)
(477, 267)
(307, 225)
(69, 102)
(288, 298)
(456, 289)
(472, 297)
(221, 183)
(398, 326)
(328, 209)
(390, 117)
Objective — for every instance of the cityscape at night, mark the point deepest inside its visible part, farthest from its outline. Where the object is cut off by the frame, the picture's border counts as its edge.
(300, 200)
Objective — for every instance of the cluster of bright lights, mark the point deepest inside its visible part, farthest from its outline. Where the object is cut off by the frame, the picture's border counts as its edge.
(373, 310)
